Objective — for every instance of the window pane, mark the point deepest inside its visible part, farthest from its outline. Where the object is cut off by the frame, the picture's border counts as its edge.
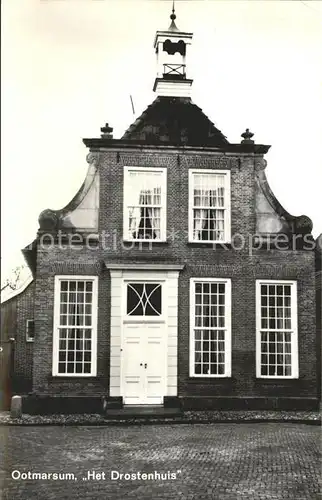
(78, 367)
(197, 368)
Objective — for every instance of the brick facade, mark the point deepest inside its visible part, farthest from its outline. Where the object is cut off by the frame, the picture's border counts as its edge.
(243, 266)
(85, 238)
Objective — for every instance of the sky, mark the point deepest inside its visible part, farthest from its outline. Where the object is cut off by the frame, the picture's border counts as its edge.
(70, 66)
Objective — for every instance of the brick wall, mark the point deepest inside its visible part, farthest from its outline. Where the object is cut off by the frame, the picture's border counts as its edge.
(243, 273)
(318, 284)
(243, 267)
(14, 315)
(23, 349)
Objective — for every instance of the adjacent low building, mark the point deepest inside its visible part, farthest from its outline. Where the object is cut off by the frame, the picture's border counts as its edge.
(16, 342)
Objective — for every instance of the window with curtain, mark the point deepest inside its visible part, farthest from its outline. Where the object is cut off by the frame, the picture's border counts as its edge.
(75, 326)
(276, 314)
(210, 335)
(209, 200)
(144, 204)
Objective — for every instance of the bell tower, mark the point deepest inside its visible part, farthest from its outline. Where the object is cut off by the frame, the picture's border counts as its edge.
(171, 54)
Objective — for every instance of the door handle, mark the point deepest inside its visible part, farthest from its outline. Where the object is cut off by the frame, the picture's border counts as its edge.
(145, 365)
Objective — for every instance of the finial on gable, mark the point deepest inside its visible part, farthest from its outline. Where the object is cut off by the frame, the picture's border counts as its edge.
(173, 16)
(107, 132)
(247, 137)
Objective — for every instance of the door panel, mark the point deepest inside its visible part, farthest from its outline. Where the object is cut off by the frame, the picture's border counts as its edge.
(155, 362)
(131, 360)
(143, 363)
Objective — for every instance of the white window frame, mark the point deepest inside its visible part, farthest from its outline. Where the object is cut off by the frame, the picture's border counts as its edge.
(293, 330)
(68, 277)
(163, 218)
(28, 338)
(226, 208)
(227, 372)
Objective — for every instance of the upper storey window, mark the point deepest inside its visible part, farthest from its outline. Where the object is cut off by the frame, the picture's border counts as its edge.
(209, 206)
(144, 204)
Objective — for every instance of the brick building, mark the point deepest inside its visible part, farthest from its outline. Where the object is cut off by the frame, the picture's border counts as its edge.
(16, 342)
(174, 277)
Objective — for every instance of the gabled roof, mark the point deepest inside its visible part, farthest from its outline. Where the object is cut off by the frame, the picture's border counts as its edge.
(175, 121)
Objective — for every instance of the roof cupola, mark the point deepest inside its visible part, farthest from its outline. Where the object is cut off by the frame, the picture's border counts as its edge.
(171, 53)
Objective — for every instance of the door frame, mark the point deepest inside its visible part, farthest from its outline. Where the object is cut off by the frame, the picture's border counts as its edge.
(166, 271)
(144, 277)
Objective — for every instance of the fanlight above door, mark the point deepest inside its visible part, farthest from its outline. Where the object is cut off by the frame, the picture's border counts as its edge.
(144, 299)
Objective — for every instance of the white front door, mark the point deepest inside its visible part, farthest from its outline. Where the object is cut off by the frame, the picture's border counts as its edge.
(143, 347)
(143, 363)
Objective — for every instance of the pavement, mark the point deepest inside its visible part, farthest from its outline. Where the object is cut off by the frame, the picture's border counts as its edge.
(222, 461)
(187, 417)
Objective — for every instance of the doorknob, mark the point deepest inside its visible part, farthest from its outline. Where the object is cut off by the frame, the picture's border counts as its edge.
(145, 365)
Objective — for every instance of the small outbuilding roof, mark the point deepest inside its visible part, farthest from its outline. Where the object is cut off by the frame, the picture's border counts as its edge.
(10, 294)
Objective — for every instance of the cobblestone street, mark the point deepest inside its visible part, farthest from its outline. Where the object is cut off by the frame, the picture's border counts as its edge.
(217, 461)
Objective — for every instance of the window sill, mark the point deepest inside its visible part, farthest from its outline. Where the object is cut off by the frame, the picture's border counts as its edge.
(275, 380)
(215, 244)
(210, 380)
(70, 378)
(144, 243)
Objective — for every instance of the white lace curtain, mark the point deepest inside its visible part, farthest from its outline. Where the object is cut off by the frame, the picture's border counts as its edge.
(210, 219)
(144, 204)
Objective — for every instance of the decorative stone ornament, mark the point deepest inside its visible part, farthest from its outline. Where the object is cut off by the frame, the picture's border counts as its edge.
(303, 225)
(247, 137)
(260, 165)
(92, 159)
(107, 132)
(48, 220)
